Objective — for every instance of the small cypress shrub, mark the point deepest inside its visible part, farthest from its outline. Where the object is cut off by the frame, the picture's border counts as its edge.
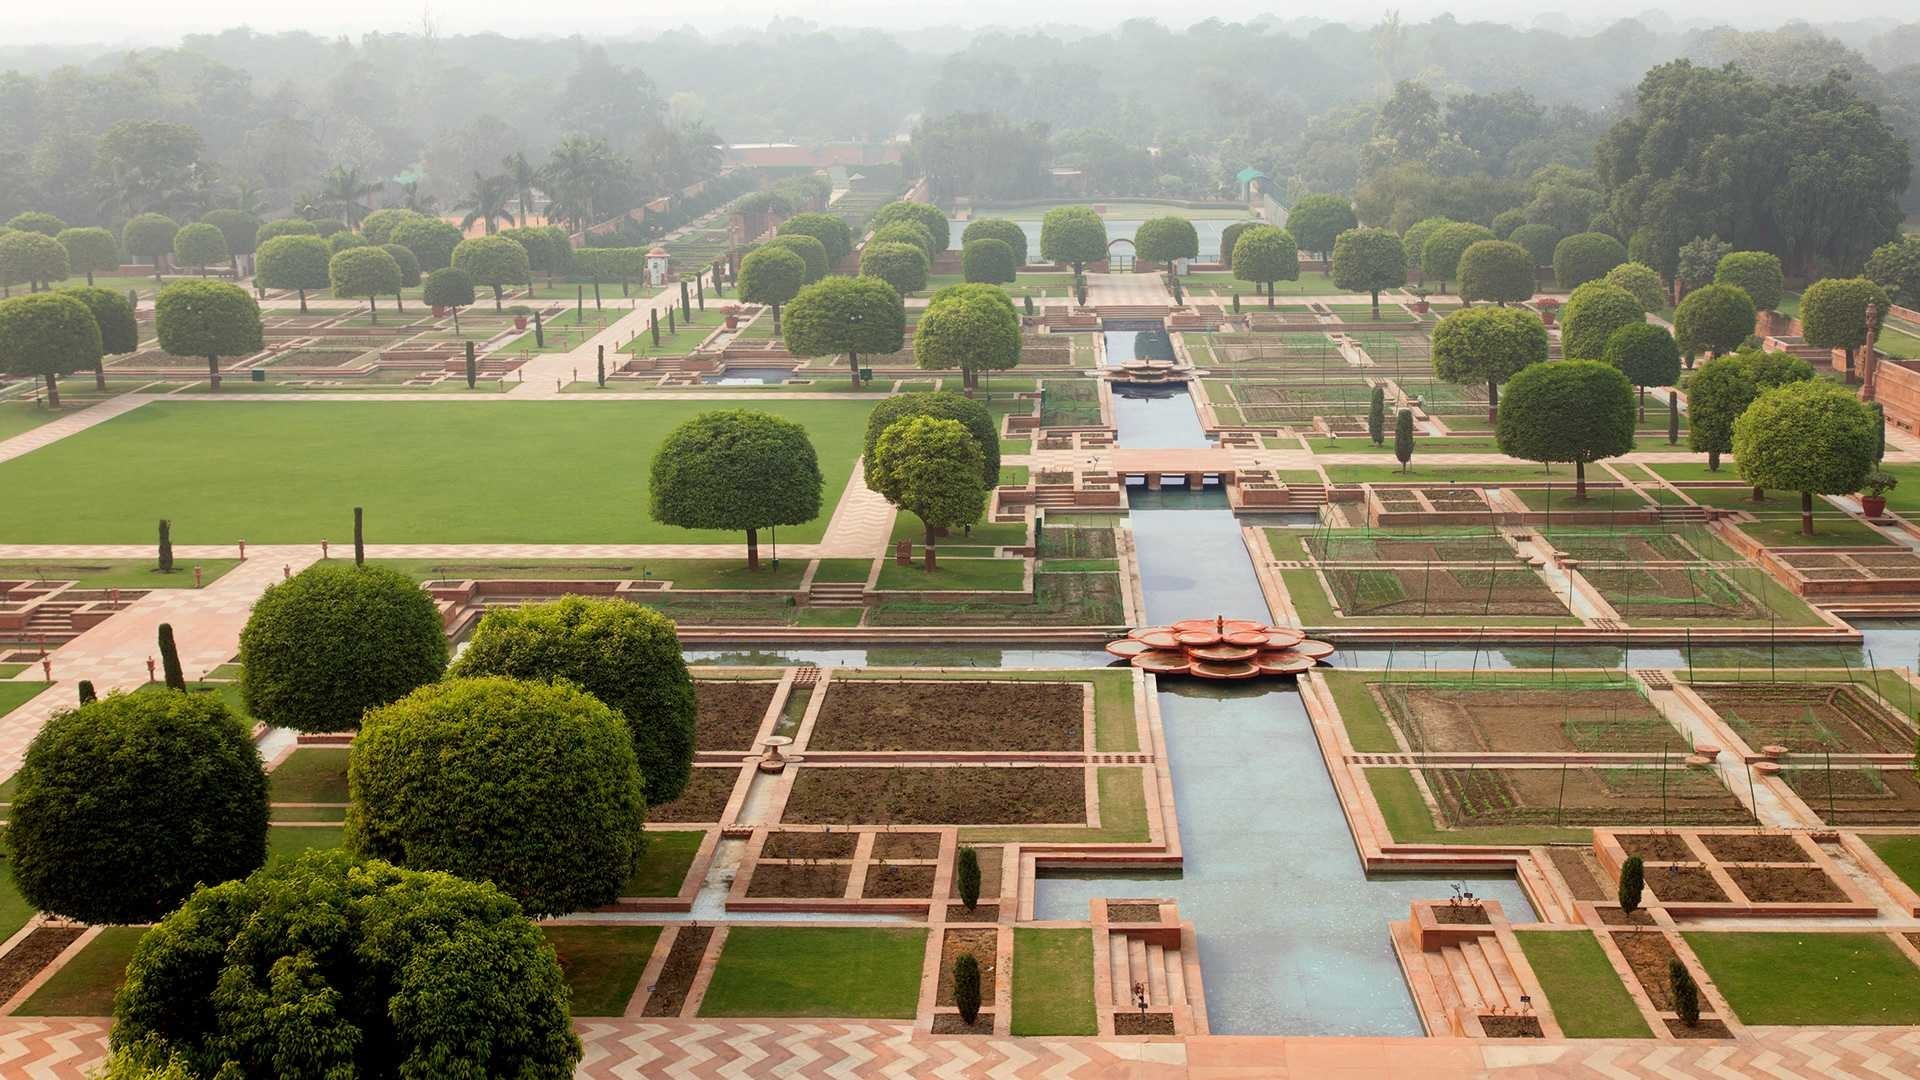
(170, 659)
(966, 876)
(1377, 416)
(1236, 303)
(686, 304)
(359, 537)
(539, 333)
(166, 546)
(600, 368)
(1403, 438)
(1686, 993)
(1673, 419)
(653, 325)
(966, 988)
(473, 367)
(1633, 881)
(1028, 300)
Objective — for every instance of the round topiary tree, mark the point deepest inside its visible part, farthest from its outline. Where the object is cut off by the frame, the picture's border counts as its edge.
(494, 261)
(210, 319)
(1496, 270)
(1833, 313)
(932, 469)
(378, 226)
(926, 214)
(1230, 236)
(1640, 280)
(48, 335)
(1440, 255)
(1647, 355)
(903, 266)
(126, 804)
(1591, 315)
(292, 261)
(1714, 319)
(772, 276)
(737, 470)
(364, 271)
(1264, 255)
(1810, 437)
(1414, 240)
(240, 229)
(1007, 232)
(974, 329)
(811, 251)
(90, 251)
(119, 329)
(37, 221)
(530, 786)
(1316, 221)
(32, 259)
(325, 965)
(284, 227)
(409, 266)
(336, 640)
(1488, 345)
(1895, 267)
(905, 232)
(200, 245)
(1539, 240)
(940, 405)
(431, 240)
(1585, 257)
(1369, 260)
(1166, 239)
(345, 241)
(1074, 235)
(846, 315)
(1568, 410)
(149, 236)
(833, 233)
(988, 261)
(447, 288)
(1718, 391)
(1506, 222)
(1757, 273)
(626, 655)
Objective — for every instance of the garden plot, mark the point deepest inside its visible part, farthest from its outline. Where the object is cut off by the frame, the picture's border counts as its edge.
(952, 715)
(937, 795)
(1361, 590)
(1857, 797)
(1810, 718)
(1440, 718)
(1592, 797)
(730, 713)
(705, 798)
(1478, 546)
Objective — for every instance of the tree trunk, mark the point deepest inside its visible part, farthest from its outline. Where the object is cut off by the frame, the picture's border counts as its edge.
(1269, 296)
(99, 376)
(1643, 404)
(213, 372)
(853, 364)
(930, 555)
(53, 391)
(373, 309)
(1580, 481)
(398, 302)
(1759, 493)
(303, 301)
(1849, 379)
(1806, 513)
(1713, 461)
(89, 278)
(1376, 305)
(1493, 401)
(776, 320)
(496, 298)
(753, 549)
(456, 319)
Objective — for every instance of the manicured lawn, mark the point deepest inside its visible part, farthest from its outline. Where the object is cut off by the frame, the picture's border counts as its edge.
(1445, 474)
(1811, 978)
(1901, 854)
(855, 971)
(284, 842)
(603, 964)
(955, 574)
(14, 909)
(13, 695)
(428, 471)
(1013, 475)
(1422, 444)
(843, 571)
(1585, 992)
(86, 985)
(907, 526)
(1559, 499)
(684, 573)
(18, 417)
(663, 868)
(1053, 982)
(1683, 471)
(310, 774)
(116, 573)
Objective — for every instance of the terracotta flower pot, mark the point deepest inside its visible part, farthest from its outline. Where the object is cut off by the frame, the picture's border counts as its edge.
(1873, 505)
(519, 322)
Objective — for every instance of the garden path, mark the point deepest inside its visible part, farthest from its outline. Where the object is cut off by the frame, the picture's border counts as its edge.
(1127, 289)
(80, 420)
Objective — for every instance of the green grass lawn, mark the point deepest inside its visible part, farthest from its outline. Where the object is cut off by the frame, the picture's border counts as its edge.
(1901, 854)
(664, 867)
(853, 971)
(20, 417)
(602, 964)
(1444, 474)
(1559, 499)
(1253, 298)
(1581, 986)
(1053, 982)
(288, 843)
(445, 471)
(843, 571)
(311, 774)
(1811, 978)
(116, 573)
(14, 909)
(15, 694)
(86, 985)
(684, 573)
(1412, 823)
(1422, 444)
(952, 575)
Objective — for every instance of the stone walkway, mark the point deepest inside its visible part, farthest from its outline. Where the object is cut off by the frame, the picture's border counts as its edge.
(1127, 289)
(79, 420)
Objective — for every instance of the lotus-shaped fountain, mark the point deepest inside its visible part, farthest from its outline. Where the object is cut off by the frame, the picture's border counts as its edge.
(1220, 648)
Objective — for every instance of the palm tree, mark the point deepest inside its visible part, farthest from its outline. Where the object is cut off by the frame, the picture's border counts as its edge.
(341, 191)
(487, 202)
(525, 179)
(411, 198)
(249, 199)
(578, 175)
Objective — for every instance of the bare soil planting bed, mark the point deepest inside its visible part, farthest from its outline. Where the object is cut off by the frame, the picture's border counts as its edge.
(1461, 915)
(1388, 548)
(906, 845)
(1684, 884)
(983, 945)
(32, 955)
(1593, 797)
(955, 715)
(1657, 592)
(1737, 847)
(1705, 1029)
(990, 857)
(1136, 1023)
(676, 975)
(938, 796)
(1657, 847)
(1512, 1027)
(893, 881)
(1786, 884)
(730, 713)
(704, 799)
(1367, 591)
(1133, 912)
(1582, 874)
(1648, 953)
(951, 1024)
(983, 912)
(808, 880)
(1857, 796)
(1510, 719)
(1809, 717)
(809, 845)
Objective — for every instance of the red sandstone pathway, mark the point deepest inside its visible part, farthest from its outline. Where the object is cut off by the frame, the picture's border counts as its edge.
(76, 421)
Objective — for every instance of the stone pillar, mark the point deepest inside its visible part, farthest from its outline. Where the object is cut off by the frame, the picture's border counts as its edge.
(1875, 313)
(1153, 481)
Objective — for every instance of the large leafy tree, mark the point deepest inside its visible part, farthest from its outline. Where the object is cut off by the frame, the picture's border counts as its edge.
(1074, 235)
(1539, 240)
(925, 214)
(932, 469)
(207, 318)
(494, 261)
(1812, 437)
(1642, 281)
(772, 276)
(1496, 270)
(33, 259)
(1265, 254)
(1592, 314)
(336, 640)
(37, 221)
(1489, 345)
(1230, 236)
(738, 470)
(903, 266)
(1440, 255)
(127, 803)
(973, 328)
(48, 335)
(1415, 238)
(1317, 220)
(1569, 410)
(1833, 313)
(901, 231)
(626, 655)
(90, 251)
(378, 226)
(832, 232)
(1757, 273)
(292, 226)
(1369, 260)
(325, 965)
(988, 261)
(1165, 239)
(811, 251)
(149, 236)
(1585, 257)
(293, 262)
(239, 228)
(1714, 319)
(431, 240)
(426, 794)
(1895, 267)
(1646, 354)
(846, 315)
(941, 405)
(200, 245)
(1718, 391)
(1000, 229)
(119, 329)
(365, 271)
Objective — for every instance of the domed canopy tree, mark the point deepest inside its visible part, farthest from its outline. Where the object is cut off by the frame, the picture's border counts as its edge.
(1074, 235)
(1758, 273)
(1646, 354)
(926, 214)
(430, 239)
(1585, 257)
(974, 330)
(1718, 391)
(32, 259)
(1567, 410)
(1440, 255)
(736, 469)
(1369, 260)
(292, 261)
(1166, 239)
(1489, 345)
(530, 786)
(940, 405)
(1539, 240)
(365, 271)
(833, 233)
(1833, 314)
(1811, 437)
(932, 469)
(37, 221)
(90, 251)
(905, 232)
(200, 245)
(1642, 281)
(1496, 270)
(447, 288)
(336, 640)
(210, 319)
(772, 276)
(1714, 319)
(149, 236)
(1265, 254)
(1000, 229)
(48, 335)
(1591, 315)
(901, 265)
(119, 329)
(988, 261)
(125, 804)
(378, 226)
(325, 965)
(409, 266)
(285, 227)
(494, 261)
(1230, 236)
(1316, 221)
(846, 315)
(240, 229)
(626, 655)
(1414, 240)
(811, 251)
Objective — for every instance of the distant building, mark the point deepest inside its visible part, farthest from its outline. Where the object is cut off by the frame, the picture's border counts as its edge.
(813, 156)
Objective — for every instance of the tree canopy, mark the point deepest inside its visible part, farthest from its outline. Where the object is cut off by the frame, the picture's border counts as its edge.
(1713, 319)
(494, 261)
(1646, 354)
(1008, 232)
(1369, 260)
(772, 276)
(930, 468)
(431, 240)
(404, 259)
(200, 245)
(926, 214)
(1165, 239)
(1591, 315)
(811, 251)
(113, 313)
(833, 233)
(1833, 313)
(294, 262)
(1074, 235)
(1488, 345)
(447, 287)
(902, 231)
(974, 330)
(1440, 255)
(149, 236)
(1317, 220)
(286, 227)
(378, 226)
(1496, 270)
(986, 260)
(1584, 257)
(1567, 410)
(736, 469)
(1757, 273)
(1642, 281)
(901, 265)
(1812, 437)
(1540, 242)
(1265, 254)
(1718, 391)
(846, 315)
(48, 335)
(32, 258)
(364, 271)
(940, 405)
(208, 318)
(1895, 267)
(90, 251)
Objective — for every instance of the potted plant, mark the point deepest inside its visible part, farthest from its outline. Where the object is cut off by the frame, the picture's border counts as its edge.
(1420, 304)
(1873, 493)
(1548, 306)
(732, 314)
(519, 313)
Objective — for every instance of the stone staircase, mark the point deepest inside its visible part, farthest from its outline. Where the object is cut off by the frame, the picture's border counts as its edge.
(837, 594)
(1685, 515)
(1307, 496)
(1054, 495)
(1133, 959)
(1474, 979)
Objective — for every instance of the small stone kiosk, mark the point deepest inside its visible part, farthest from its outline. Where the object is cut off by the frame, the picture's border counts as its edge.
(657, 260)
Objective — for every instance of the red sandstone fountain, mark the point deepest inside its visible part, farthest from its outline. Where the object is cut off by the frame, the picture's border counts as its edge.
(1220, 648)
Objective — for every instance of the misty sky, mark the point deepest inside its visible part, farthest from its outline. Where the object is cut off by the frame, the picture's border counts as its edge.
(153, 21)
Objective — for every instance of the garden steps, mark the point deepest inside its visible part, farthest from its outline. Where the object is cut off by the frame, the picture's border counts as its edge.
(1157, 976)
(837, 594)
